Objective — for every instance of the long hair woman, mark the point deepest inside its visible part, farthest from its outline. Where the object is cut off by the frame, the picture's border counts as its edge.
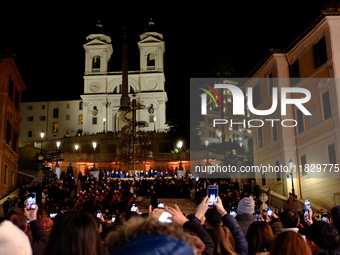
(290, 242)
(260, 237)
(223, 238)
(74, 233)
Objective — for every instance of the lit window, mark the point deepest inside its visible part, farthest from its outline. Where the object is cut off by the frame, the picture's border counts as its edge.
(80, 119)
(55, 127)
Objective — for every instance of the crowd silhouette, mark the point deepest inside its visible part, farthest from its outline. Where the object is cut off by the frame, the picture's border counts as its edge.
(88, 215)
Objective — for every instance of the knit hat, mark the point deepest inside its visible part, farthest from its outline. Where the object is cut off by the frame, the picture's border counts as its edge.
(246, 206)
(13, 241)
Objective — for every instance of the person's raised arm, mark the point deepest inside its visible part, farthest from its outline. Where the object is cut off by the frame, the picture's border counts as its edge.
(241, 244)
(194, 224)
(39, 241)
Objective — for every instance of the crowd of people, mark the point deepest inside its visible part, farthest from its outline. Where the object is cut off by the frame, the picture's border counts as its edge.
(100, 216)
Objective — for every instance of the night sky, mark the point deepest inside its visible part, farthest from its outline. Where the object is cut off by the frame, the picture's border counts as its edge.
(48, 40)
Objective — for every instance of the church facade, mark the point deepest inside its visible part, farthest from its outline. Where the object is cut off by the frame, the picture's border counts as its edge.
(98, 109)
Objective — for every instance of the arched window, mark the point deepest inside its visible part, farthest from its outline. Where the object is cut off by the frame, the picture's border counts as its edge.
(96, 63)
(151, 58)
(30, 133)
(67, 132)
(117, 89)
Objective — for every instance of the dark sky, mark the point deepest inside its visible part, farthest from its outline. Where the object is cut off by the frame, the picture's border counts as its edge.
(48, 40)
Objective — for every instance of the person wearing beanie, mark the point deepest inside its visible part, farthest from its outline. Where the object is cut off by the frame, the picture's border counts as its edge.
(13, 241)
(245, 213)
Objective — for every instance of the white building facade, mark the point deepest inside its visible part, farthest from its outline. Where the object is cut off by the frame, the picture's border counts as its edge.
(313, 61)
(103, 89)
(98, 110)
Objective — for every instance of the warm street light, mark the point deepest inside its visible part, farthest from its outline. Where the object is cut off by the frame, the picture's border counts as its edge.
(76, 147)
(94, 145)
(57, 167)
(179, 146)
(42, 135)
(58, 146)
(291, 166)
(207, 144)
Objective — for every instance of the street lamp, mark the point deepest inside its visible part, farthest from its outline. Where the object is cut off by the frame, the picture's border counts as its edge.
(94, 145)
(42, 135)
(57, 167)
(104, 122)
(154, 121)
(76, 147)
(207, 144)
(291, 166)
(219, 133)
(179, 146)
(58, 146)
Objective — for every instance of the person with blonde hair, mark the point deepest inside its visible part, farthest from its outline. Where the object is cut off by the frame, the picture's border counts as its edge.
(290, 242)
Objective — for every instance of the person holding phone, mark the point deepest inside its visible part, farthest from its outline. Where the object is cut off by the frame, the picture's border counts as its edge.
(38, 237)
(194, 223)
(26, 220)
(245, 213)
(31, 201)
(241, 245)
(212, 194)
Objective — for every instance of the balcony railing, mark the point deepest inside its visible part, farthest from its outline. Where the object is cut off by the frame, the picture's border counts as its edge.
(110, 157)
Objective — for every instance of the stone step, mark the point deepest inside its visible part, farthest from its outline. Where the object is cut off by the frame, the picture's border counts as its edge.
(187, 206)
